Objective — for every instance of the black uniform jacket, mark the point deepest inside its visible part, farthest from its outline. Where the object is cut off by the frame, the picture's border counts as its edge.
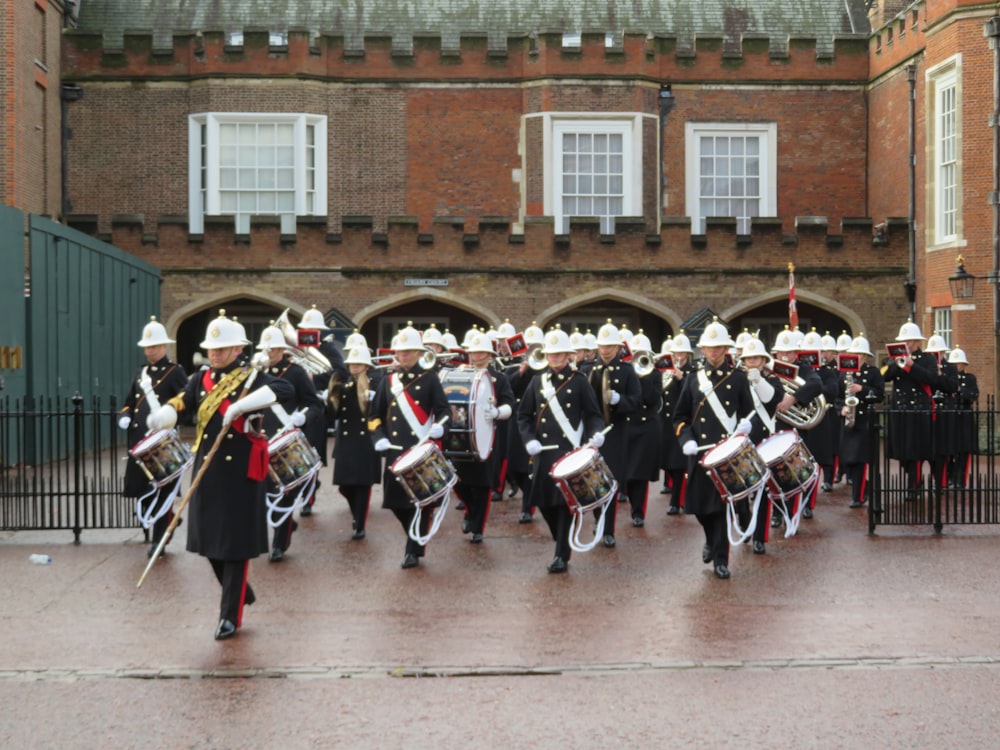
(644, 431)
(695, 420)
(910, 430)
(168, 379)
(304, 397)
(536, 422)
(855, 442)
(423, 390)
(355, 461)
(618, 376)
(227, 515)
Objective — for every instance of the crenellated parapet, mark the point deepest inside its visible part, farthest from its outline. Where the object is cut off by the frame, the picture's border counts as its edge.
(852, 246)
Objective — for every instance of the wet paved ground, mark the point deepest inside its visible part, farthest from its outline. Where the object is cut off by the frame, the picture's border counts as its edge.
(833, 639)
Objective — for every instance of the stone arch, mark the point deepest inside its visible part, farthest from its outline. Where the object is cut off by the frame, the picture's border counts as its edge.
(475, 307)
(744, 306)
(610, 293)
(173, 322)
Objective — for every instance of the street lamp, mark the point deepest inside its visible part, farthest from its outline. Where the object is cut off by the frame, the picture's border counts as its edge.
(963, 283)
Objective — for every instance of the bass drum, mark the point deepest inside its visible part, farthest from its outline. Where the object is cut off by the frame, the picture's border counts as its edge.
(470, 433)
(735, 468)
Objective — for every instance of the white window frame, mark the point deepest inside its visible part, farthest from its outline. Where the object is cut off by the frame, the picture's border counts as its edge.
(944, 162)
(555, 124)
(767, 132)
(942, 324)
(210, 122)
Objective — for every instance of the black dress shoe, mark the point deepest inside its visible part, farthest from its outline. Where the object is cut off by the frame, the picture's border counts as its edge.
(622, 498)
(855, 504)
(609, 540)
(496, 496)
(826, 487)
(673, 510)
(410, 561)
(526, 518)
(476, 538)
(358, 534)
(277, 554)
(775, 522)
(638, 522)
(721, 571)
(558, 565)
(250, 597)
(807, 512)
(706, 554)
(225, 630)
(466, 525)
(307, 510)
(459, 505)
(511, 492)
(758, 547)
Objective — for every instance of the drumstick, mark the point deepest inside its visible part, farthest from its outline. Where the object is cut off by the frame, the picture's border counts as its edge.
(549, 447)
(395, 447)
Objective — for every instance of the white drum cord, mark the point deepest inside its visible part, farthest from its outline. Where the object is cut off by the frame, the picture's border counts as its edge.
(277, 512)
(414, 532)
(156, 510)
(576, 528)
(781, 502)
(733, 521)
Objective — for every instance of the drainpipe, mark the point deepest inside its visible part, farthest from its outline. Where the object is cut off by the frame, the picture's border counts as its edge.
(992, 30)
(911, 282)
(666, 102)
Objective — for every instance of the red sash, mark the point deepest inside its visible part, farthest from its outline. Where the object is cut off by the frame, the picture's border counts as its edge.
(259, 456)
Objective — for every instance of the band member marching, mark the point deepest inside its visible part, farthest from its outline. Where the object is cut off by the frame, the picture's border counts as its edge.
(304, 407)
(617, 389)
(518, 462)
(674, 461)
(643, 450)
(227, 521)
(821, 440)
(862, 390)
(476, 477)
(712, 403)
(409, 406)
(558, 410)
(356, 465)
(165, 379)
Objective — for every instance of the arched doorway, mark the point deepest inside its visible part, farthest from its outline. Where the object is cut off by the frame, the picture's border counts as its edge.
(255, 315)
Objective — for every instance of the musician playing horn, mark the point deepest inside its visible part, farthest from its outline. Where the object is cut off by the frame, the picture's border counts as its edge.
(520, 376)
(643, 451)
(409, 406)
(557, 414)
(227, 522)
(711, 407)
(856, 450)
(674, 462)
(166, 379)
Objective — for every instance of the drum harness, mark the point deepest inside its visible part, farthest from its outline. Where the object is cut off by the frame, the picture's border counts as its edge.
(574, 435)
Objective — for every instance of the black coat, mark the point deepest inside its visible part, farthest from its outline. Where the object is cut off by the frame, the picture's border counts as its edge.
(855, 442)
(620, 377)
(821, 439)
(671, 457)
(535, 422)
(695, 420)
(385, 420)
(957, 414)
(355, 461)
(644, 431)
(303, 397)
(168, 379)
(517, 459)
(910, 430)
(227, 516)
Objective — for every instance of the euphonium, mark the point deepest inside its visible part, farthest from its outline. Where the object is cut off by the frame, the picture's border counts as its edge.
(850, 401)
(799, 416)
(309, 358)
(643, 364)
(537, 360)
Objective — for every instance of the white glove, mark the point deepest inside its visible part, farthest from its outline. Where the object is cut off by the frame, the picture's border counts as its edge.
(614, 397)
(744, 427)
(765, 390)
(690, 448)
(382, 445)
(491, 413)
(163, 418)
(533, 447)
(436, 431)
(298, 417)
(504, 411)
(597, 440)
(253, 401)
(124, 422)
(753, 375)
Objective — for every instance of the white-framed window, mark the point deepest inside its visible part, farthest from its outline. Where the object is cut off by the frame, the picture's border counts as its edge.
(574, 40)
(944, 141)
(942, 323)
(731, 171)
(256, 164)
(595, 168)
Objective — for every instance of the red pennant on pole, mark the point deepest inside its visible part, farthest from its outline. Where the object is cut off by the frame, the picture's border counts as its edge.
(793, 312)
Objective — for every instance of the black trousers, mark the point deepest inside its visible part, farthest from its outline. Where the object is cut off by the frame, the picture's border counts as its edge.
(714, 525)
(405, 518)
(744, 511)
(676, 477)
(236, 591)
(523, 481)
(558, 518)
(638, 496)
(358, 499)
(857, 474)
(477, 505)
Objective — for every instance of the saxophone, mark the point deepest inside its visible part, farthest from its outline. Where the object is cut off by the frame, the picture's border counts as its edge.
(850, 402)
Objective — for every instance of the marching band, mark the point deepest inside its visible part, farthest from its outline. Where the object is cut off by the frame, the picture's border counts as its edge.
(576, 423)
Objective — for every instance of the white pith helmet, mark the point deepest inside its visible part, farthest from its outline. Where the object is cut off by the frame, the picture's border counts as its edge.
(506, 329)
(667, 347)
(860, 345)
(828, 343)
(625, 335)
(797, 337)
(154, 334)
(479, 341)
(358, 355)
(715, 334)
(812, 341)
(785, 342)
(935, 344)
(223, 333)
(313, 318)
(408, 339)
(640, 343)
(356, 340)
(957, 357)
(533, 334)
(577, 340)
(608, 335)
(844, 341)
(272, 338)
(681, 344)
(468, 335)
(432, 336)
(590, 341)
(754, 347)
(448, 340)
(910, 331)
(557, 342)
(742, 338)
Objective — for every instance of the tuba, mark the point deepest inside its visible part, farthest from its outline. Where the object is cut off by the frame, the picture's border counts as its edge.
(309, 358)
(537, 360)
(801, 417)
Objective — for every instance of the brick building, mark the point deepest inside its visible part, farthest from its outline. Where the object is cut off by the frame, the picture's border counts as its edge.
(555, 160)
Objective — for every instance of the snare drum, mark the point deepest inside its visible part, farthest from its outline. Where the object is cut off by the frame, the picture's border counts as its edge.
(735, 468)
(584, 479)
(792, 465)
(424, 473)
(291, 459)
(470, 433)
(162, 456)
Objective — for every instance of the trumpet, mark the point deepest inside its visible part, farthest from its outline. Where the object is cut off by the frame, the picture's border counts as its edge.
(850, 402)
